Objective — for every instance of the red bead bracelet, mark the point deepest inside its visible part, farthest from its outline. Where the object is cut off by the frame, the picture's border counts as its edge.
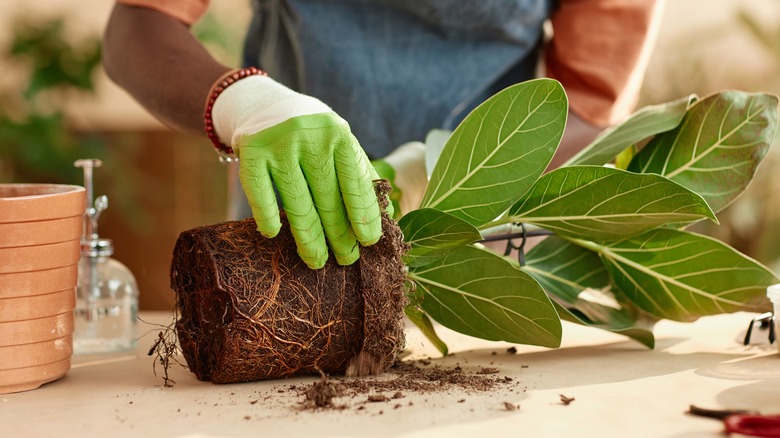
(226, 153)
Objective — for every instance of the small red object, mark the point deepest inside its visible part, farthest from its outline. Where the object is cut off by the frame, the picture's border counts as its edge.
(766, 426)
(225, 152)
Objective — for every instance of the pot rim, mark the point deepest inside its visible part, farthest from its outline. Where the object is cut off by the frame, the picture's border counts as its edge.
(30, 202)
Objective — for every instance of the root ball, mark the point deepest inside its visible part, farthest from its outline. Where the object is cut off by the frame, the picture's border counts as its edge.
(250, 309)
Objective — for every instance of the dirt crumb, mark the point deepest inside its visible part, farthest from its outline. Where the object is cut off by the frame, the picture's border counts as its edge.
(321, 394)
(566, 400)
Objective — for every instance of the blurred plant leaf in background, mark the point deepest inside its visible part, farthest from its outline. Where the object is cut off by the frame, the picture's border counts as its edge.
(52, 60)
(35, 139)
(41, 149)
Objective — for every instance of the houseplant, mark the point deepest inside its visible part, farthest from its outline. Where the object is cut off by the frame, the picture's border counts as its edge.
(618, 257)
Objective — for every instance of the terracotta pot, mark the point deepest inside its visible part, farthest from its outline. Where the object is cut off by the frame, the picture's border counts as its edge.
(36, 306)
(40, 202)
(25, 379)
(24, 284)
(40, 231)
(36, 330)
(36, 354)
(39, 257)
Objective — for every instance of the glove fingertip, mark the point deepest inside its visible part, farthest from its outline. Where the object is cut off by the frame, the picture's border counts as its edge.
(268, 223)
(314, 261)
(349, 257)
(270, 234)
(346, 251)
(269, 229)
(369, 234)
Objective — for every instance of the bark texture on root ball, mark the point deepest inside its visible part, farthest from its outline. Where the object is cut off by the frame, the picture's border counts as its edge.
(250, 309)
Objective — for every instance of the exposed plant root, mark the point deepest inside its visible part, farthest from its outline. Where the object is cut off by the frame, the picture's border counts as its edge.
(250, 309)
(165, 350)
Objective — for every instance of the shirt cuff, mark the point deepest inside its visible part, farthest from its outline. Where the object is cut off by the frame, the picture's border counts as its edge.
(186, 11)
(599, 52)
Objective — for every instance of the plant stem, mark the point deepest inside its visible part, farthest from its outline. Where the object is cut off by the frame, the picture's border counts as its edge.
(498, 224)
(587, 244)
(505, 226)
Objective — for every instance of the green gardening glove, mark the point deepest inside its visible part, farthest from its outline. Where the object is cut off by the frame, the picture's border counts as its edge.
(324, 178)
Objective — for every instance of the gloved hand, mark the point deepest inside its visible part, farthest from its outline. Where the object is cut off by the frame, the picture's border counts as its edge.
(323, 176)
(405, 169)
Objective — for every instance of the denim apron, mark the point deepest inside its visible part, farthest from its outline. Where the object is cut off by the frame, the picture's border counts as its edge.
(395, 69)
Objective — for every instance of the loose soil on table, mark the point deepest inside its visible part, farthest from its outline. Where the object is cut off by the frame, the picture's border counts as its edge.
(402, 379)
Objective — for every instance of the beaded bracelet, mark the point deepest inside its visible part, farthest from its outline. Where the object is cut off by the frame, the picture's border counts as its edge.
(226, 153)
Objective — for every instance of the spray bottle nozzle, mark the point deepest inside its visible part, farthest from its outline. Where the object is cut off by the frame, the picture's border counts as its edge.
(91, 243)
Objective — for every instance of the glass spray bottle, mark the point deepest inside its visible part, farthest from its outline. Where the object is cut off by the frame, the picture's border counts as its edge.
(107, 294)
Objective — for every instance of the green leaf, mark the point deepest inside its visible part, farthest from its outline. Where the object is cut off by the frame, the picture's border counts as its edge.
(478, 293)
(716, 149)
(602, 204)
(641, 330)
(432, 234)
(643, 124)
(421, 320)
(623, 159)
(54, 61)
(578, 282)
(498, 151)
(565, 269)
(682, 276)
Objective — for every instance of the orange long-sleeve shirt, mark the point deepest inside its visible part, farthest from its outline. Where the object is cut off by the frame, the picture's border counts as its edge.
(599, 50)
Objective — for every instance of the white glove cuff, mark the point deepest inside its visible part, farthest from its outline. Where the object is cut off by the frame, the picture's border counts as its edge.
(258, 102)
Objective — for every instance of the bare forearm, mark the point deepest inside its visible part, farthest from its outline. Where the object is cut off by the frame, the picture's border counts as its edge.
(158, 61)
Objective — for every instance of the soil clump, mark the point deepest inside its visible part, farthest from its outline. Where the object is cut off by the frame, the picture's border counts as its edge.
(249, 309)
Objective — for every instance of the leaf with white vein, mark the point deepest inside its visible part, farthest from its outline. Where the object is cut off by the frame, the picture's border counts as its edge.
(643, 124)
(579, 284)
(718, 146)
(682, 276)
(478, 293)
(602, 204)
(498, 151)
(565, 269)
(641, 330)
(432, 234)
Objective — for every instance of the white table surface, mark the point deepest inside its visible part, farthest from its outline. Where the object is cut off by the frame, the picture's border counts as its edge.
(620, 389)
